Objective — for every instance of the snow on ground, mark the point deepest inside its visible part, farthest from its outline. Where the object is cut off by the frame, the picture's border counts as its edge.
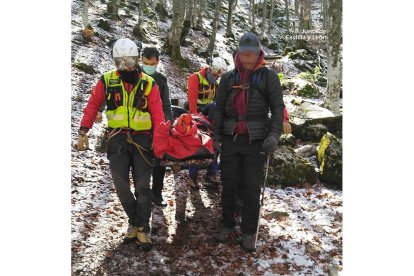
(182, 232)
(305, 241)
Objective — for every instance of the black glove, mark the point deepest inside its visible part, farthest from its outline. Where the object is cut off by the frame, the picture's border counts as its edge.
(217, 148)
(270, 144)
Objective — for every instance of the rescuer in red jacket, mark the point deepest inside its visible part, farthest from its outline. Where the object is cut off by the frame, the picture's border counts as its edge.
(133, 110)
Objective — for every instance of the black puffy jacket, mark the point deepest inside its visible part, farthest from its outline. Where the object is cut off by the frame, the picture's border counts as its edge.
(264, 95)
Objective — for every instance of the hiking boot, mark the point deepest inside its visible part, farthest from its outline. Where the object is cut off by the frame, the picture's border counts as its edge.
(159, 201)
(131, 234)
(248, 242)
(193, 183)
(223, 234)
(143, 239)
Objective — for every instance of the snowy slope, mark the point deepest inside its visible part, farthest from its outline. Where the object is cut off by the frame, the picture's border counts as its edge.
(182, 231)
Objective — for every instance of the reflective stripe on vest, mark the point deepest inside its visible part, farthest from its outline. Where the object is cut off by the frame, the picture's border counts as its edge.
(127, 115)
(205, 92)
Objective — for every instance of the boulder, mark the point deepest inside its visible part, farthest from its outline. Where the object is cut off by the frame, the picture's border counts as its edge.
(304, 65)
(287, 50)
(298, 54)
(85, 68)
(286, 168)
(310, 122)
(306, 150)
(104, 25)
(301, 87)
(309, 90)
(287, 140)
(330, 160)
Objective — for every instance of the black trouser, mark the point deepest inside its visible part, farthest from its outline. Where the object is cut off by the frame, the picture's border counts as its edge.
(241, 164)
(158, 180)
(121, 155)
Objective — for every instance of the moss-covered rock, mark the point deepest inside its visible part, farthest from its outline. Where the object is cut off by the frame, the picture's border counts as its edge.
(301, 87)
(287, 84)
(287, 140)
(299, 54)
(309, 90)
(287, 50)
(273, 46)
(149, 13)
(286, 168)
(84, 67)
(330, 160)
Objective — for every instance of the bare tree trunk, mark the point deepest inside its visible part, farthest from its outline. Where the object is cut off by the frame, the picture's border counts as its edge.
(307, 15)
(300, 7)
(229, 31)
(254, 20)
(334, 21)
(85, 19)
(250, 12)
(197, 7)
(189, 9)
(324, 12)
(138, 31)
(300, 43)
(263, 19)
(287, 15)
(153, 4)
(140, 18)
(202, 8)
(187, 21)
(271, 15)
(192, 11)
(112, 8)
(174, 34)
(210, 47)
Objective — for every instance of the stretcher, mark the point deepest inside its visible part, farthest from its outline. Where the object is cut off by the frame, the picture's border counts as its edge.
(202, 160)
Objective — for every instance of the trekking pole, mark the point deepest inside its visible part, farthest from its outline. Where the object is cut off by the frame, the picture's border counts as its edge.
(262, 199)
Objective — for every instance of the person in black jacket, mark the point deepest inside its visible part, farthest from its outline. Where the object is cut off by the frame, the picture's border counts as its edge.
(150, 60)
(244, 134)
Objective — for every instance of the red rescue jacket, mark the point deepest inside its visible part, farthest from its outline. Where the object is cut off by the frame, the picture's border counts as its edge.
(97, 98)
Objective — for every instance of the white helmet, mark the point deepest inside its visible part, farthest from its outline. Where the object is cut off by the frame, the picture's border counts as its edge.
(125, 54)
(218, 64)
(124, 47)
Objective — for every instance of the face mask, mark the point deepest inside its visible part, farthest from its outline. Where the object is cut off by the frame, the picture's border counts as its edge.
(129, 76)
(149, 69)
(210, 78)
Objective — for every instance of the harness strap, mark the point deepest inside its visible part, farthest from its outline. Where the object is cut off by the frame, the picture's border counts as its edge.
(140, 150)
